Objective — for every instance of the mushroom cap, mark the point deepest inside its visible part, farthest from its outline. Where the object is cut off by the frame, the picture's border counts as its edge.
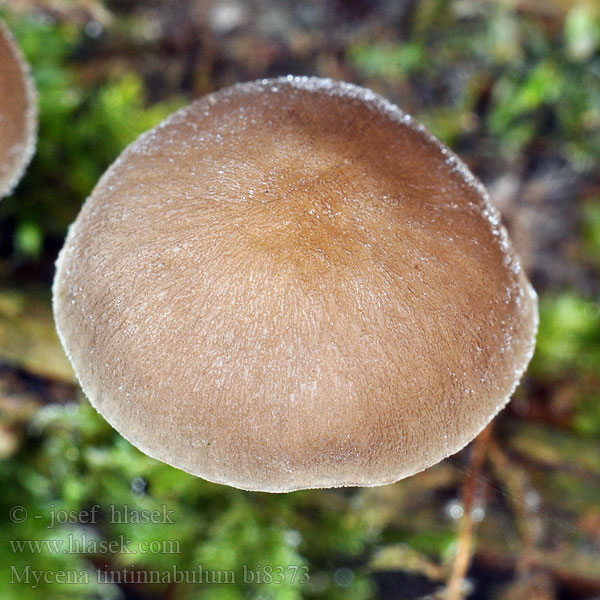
(18, 113)
(291, 284)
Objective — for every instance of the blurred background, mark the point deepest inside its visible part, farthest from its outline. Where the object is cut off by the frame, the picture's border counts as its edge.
(514, 87)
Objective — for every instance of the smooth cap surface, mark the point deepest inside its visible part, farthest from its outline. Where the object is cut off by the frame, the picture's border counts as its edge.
(291, 284)
(18, 113)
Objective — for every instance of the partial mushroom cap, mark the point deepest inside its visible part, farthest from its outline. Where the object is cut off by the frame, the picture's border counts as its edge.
(18, 113)
(291, 284)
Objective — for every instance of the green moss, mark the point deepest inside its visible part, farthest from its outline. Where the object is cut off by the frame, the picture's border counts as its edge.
(569, 336)
(591, 232)
(388, 61)
(587, 419)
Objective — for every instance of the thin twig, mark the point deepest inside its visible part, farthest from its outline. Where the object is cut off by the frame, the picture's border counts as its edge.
(454, 587)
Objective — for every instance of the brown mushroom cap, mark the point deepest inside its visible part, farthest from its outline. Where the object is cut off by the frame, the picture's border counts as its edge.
(18, 113)
(291, 284)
